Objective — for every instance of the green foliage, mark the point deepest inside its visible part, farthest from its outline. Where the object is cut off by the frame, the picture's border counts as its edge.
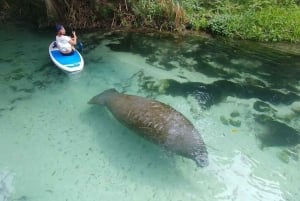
(148, 12)
(269, 24)
(219, 25)
(263, 20)
(159, 14)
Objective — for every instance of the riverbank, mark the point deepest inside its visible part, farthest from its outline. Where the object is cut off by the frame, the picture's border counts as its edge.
(259, 20)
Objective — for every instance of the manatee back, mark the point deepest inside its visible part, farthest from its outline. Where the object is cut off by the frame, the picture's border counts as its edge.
(152, 119)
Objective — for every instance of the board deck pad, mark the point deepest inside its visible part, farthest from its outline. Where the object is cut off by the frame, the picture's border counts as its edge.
(72, 60)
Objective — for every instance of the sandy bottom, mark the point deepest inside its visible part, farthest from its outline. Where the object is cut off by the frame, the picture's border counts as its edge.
(54, 146)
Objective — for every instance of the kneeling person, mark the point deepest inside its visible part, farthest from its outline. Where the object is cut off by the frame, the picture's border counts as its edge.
(65, 43)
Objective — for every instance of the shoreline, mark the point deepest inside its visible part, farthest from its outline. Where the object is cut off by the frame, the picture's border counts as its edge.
(282, 46)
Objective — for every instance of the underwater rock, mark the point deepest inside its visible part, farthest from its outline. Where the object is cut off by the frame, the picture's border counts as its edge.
(224, 120)
(234, 114)
(295, 152)
(13, 88)
(39, 84)
(286, 115)
(151, 59)
(261, 106)
(246, 62)
(283, 156)
(276, 133)
(236, 123)
(254, 82)
(296, 107)
(262, 118)
(148, 85)
(290, 153)
(17, 76)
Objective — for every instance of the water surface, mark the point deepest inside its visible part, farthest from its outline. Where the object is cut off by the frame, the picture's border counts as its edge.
(242, 97)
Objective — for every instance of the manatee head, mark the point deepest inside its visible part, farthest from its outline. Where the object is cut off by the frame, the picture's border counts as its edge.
(201, 160)
(201, 156)
(101, 98)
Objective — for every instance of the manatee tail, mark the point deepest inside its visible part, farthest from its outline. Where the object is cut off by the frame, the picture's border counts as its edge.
(101, 98)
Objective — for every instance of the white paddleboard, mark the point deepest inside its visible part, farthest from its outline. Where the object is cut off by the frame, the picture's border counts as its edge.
(70, 63)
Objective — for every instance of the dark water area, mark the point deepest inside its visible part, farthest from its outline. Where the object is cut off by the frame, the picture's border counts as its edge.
(243, 70)
(242, 97)
(276, 69)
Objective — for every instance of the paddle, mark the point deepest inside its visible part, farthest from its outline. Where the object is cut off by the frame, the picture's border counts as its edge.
(80, 46)
(79, 43)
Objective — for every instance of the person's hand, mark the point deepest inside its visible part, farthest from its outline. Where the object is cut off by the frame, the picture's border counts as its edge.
(74, 34)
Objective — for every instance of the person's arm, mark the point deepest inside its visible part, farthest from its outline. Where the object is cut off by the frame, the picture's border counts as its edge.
(73, 40)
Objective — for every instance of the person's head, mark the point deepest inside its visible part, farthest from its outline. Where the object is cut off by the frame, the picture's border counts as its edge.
(60, 29)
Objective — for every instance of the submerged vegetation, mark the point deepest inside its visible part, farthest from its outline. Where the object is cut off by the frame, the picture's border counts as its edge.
(262, 20)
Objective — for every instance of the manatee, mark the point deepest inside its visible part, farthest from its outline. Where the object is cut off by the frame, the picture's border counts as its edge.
(157, 122)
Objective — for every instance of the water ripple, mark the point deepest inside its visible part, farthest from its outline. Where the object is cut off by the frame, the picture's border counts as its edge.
(6, 187)
(242, 184)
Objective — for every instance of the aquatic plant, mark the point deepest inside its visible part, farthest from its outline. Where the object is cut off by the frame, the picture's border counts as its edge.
(261, 106)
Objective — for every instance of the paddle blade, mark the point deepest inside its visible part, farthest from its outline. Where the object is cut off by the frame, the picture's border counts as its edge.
(80, 46)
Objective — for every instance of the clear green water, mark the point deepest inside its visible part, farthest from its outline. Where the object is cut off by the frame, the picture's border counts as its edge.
(54, 146)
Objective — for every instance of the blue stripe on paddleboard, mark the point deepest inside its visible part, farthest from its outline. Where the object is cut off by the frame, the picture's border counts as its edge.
(70, 61)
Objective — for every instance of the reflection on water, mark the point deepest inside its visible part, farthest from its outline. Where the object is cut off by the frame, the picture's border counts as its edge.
(243, 98)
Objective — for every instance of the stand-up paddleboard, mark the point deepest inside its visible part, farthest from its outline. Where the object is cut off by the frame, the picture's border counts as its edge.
(71, 63)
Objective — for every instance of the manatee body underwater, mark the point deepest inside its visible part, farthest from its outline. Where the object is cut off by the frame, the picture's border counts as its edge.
(157, 122)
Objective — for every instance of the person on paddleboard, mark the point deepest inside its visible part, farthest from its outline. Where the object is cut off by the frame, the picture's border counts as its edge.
(65, 43)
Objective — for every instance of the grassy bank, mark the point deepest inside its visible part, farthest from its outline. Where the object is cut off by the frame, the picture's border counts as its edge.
(262, 20)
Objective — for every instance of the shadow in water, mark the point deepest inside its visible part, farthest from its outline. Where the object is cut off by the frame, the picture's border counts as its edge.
(276, 133)
(213, 93)
(214, 58)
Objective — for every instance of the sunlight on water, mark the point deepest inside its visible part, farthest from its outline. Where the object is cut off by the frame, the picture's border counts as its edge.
(243, 100)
